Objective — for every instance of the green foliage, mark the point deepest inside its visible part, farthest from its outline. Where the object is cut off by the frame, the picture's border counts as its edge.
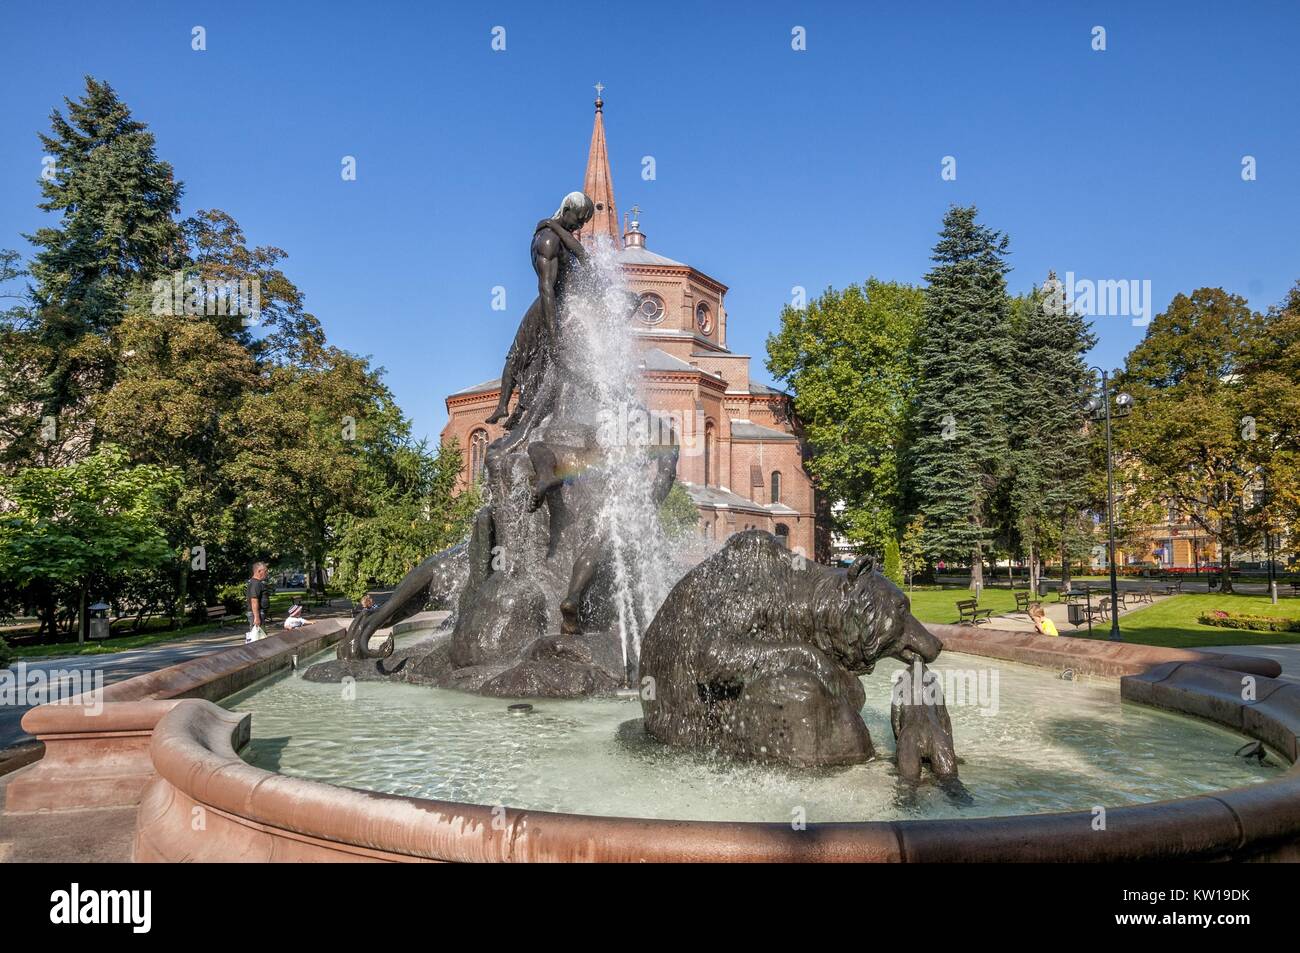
(1048, 445)
(677, 513)
(79, 527)
(1182, 447)
(911, 549)
(964, 395)
(233, 595)
(1271, 400)
(849, 358)
(6, 654)
(86, 520)
(893, 570)
(116, 201)
(219, 253)
(414, 511)
(307, 446)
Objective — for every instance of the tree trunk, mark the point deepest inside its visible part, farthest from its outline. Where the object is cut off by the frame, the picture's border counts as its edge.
(977, 570)
(1033, 572)
(83, 624)
(183, 594)
(1225, 570)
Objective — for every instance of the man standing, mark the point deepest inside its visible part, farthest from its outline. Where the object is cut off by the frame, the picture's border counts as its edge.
(259, 603)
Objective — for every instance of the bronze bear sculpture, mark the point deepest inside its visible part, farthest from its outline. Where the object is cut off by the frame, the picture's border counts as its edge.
(756, 654)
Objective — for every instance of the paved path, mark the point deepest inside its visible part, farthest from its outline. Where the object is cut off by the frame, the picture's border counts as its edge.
(1058, 613)
(116, 666)
(1288, 656)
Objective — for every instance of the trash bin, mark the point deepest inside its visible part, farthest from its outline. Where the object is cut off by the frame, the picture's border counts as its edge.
(99, 622)
(1077, 613)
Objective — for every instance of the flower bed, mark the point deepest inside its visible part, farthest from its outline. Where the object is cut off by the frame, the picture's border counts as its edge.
(1255, 623)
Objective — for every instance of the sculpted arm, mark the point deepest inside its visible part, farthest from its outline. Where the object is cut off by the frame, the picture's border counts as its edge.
(546, 261)
(569, 240)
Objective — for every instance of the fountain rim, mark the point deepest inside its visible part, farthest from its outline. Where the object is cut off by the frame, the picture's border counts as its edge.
(190, 762)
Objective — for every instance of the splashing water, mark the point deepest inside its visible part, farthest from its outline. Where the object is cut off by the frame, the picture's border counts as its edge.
(630, 439)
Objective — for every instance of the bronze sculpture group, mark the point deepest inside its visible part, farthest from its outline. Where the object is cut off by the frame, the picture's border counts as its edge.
(755, 653)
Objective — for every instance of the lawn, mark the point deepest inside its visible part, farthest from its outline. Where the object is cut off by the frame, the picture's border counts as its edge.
(1172, 622)
(940, 605)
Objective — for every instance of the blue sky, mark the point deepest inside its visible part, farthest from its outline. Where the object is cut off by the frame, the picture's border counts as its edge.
(775, 168)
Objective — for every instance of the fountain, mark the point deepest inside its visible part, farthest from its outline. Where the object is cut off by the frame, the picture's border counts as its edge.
(723, 715)
(566, 562)
(754, 654)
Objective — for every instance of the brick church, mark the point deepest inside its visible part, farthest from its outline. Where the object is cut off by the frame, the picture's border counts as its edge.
(743, 465)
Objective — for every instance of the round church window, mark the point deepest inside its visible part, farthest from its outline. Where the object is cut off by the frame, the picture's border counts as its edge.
(651, 309)
(703, 318)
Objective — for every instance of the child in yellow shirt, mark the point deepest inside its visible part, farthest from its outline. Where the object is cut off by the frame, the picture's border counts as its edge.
(1042, 624)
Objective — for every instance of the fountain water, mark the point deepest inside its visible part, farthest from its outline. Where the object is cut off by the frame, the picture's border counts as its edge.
(567, 562)
(630, 438)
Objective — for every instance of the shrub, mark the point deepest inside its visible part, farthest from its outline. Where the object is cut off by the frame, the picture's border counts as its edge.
(893, 562)
(1255, 623)
(6, 654)
(232, 596)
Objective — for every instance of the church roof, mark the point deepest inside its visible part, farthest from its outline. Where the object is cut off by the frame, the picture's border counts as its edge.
(717, 497)
(653, 359)
(748, 430)
(494, 384)
(762, 390)
(640, 255)
(656, 359)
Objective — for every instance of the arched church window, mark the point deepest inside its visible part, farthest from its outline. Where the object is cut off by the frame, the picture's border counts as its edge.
(709, 451)
(776, 486)
(783, 535)
(478, 442)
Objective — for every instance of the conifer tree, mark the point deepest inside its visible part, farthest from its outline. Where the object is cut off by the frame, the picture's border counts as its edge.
(1049, 442)
(116, 201)
(964, 394)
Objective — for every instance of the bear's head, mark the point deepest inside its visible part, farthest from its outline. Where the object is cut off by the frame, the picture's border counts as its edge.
(873, 619)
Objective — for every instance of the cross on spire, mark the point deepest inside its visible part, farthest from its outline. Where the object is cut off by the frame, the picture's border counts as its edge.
(599, 88)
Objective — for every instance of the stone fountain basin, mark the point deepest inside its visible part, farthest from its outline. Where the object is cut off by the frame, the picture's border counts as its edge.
(163, 742)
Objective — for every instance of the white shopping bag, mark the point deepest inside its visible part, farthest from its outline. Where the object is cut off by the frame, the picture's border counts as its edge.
(255, 634)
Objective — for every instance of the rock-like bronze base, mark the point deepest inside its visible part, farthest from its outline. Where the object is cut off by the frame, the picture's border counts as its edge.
(554, 666)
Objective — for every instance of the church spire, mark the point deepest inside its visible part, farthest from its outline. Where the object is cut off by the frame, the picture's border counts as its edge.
(599, 184)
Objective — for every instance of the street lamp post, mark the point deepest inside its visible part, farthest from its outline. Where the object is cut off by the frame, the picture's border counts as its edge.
(1101, 408)
(1268, 543)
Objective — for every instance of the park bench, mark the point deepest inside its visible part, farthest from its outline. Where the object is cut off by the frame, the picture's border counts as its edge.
(219, 614)
(1023, 601)
(1147, 595)
(317, 597)
(1174, 589)
(1102, 610)
(969, 613)
(1295, 588)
